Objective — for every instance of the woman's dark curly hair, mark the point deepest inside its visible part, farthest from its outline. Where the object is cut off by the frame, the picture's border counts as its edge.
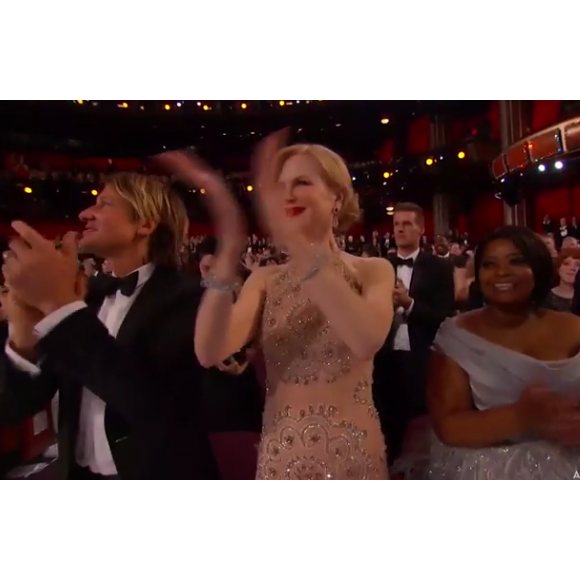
(534, 252)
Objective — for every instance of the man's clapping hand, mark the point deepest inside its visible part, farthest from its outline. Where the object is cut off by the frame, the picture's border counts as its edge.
(401, 296)
(21, 320)
(41, 275)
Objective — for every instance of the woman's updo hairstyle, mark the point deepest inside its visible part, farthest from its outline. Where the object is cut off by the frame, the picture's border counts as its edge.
(335, 175)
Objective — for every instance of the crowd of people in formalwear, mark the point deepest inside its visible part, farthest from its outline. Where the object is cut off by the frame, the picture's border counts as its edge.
(352, 359)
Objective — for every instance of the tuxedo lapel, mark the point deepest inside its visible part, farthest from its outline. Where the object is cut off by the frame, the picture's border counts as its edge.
(418, 273)
(94, 300)
(154, 295)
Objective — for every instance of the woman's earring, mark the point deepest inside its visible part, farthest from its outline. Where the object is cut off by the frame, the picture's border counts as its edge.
(335, 219)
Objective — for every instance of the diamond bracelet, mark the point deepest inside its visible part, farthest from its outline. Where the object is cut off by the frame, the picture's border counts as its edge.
(212, 283)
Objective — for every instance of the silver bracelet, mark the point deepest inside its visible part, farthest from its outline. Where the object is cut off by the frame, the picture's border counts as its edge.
(212, 283)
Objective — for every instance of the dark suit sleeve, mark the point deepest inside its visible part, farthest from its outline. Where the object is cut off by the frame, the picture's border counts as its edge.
(576, 299)
(475, 298)
(137, 385)
(22, 395)
(443, 303)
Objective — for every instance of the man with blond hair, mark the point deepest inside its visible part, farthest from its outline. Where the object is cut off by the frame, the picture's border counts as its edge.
(122, 359)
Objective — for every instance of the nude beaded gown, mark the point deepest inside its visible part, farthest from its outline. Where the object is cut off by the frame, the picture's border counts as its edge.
(320, 421)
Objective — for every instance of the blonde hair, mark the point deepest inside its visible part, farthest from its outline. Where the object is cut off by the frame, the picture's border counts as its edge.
(152, 199)
(335, 175)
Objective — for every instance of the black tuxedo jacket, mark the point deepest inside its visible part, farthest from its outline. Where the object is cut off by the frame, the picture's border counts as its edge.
(97, 283)
(433, 290)
(148, 377)
(475, 299)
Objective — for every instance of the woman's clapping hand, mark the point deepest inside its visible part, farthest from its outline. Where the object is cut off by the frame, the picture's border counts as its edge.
(227, 216)
(553, 416)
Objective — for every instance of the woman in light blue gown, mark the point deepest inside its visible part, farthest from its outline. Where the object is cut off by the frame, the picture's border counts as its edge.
(504, 387)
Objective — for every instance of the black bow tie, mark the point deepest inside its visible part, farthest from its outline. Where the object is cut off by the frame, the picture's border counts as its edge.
(126, 285)
(404, 262)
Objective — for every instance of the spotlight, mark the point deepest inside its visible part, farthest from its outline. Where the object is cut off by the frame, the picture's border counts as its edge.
(541, 168)
(429, 161)
(282, 103)
(558, 165)
(250, 188)
(206, 107)
(385, 121)
(94, 192)
(28, 190)
(244, 106)
(461, 155)
(386, 175)
(167, 107)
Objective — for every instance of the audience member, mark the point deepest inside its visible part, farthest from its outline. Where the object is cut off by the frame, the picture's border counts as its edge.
(561, 295)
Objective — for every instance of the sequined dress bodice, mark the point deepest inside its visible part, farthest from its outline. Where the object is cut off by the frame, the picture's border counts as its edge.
(498, 376)
(319, 419)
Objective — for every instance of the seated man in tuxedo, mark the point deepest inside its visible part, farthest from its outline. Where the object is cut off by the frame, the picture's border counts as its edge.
(122, 358)
(424, 297)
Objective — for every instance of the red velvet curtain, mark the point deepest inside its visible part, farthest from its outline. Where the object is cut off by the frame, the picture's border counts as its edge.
(545, 113)
(487, 214)
(487, 211)
(419, 137)
(557, 202)
(461, 223)
(495, 121)
(386, 153)
(461, 129)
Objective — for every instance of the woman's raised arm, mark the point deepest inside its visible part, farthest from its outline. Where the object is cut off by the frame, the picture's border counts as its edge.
(223, 328)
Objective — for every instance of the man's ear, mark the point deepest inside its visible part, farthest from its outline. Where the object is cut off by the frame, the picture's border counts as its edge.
(147, 227)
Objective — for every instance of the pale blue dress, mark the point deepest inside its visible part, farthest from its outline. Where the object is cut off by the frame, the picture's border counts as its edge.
(498, 376)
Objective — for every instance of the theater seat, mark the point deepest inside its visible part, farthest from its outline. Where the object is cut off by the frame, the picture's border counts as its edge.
(30, 439)
(236, 454)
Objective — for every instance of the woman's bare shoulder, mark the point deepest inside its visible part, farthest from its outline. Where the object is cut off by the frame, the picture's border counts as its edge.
(371, 268)
(562, 321)
(562, 328)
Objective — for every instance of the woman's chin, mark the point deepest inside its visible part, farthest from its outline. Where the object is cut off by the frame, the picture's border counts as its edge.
(504, 299)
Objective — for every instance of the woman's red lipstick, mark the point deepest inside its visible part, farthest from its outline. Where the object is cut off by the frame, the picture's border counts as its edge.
(294, 211)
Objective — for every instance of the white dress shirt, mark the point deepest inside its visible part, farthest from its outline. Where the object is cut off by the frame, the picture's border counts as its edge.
(92, 450)
(405, 275)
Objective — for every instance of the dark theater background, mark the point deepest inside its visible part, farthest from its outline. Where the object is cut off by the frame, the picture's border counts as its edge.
(436, 153)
